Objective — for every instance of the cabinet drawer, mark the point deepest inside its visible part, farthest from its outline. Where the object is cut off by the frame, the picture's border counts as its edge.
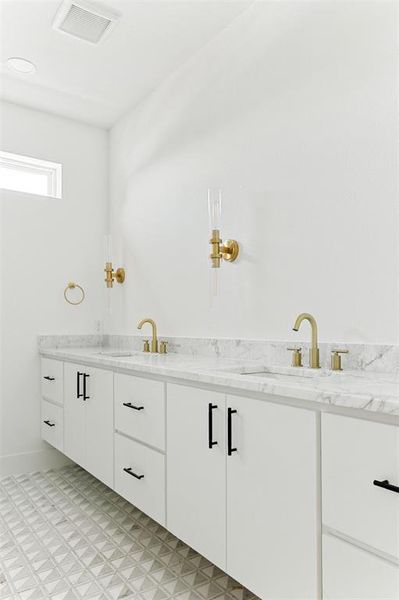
(350, 573)
(354, 454)
(52, 425)
(52, 380)
(140, 409)
(147, 489)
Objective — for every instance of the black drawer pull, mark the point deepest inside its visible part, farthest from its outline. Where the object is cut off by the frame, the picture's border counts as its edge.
(130, 405)
(49, 424)
(386, 485)
(78, 394)
(230, 449)
(211, 441)
(85, 376)
(130, 472)
(49, 378)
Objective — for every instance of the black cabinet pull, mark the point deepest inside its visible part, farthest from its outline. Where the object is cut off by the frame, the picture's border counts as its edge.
(211, 442)
(49, 378)
(85, 376)
(130, 472)
(230, 449)
(49, 424)
(78, 394)
(386, 485)
(130, 405)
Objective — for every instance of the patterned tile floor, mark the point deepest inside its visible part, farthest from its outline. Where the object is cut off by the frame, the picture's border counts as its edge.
(65, 536)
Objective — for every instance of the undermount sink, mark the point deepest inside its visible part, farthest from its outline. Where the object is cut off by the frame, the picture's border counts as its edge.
(282, 373)
(279, 376)
(116, 353)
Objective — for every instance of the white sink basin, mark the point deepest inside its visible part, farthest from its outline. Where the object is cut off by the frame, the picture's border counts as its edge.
(116, 353)
(282, 373)
(276, 373)
(288, 377)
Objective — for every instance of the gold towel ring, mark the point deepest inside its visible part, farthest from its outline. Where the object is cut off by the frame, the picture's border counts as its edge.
(72, 285)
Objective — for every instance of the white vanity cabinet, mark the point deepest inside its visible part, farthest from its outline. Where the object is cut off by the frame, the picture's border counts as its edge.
(88, 419)
(262, 526)
(196, 467)
(293, 502)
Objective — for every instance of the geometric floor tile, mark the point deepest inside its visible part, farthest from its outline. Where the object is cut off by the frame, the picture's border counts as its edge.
(64, 535)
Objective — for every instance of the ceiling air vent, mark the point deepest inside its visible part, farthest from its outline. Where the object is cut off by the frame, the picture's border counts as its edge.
(86, 20)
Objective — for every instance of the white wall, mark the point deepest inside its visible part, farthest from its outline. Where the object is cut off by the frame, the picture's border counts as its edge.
(292, 112)
(44, 244)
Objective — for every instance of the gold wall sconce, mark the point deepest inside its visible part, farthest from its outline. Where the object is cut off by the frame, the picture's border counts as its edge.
(111, 275)
(229, 250)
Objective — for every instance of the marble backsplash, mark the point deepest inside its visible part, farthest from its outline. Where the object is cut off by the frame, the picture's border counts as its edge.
(365, 357)
(70, 341)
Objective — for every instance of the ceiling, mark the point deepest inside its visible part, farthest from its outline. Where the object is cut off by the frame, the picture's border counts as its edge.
(98, 83)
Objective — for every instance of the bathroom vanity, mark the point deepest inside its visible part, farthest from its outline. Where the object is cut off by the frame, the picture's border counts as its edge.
(264, 474)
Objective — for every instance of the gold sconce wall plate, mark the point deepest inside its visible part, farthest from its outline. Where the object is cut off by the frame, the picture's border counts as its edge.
(111, 275)
(120, 275)
(229, 250)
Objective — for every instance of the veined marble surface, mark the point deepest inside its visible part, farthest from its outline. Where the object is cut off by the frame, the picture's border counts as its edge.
(376, 392)
(70, 341)
(377, 358)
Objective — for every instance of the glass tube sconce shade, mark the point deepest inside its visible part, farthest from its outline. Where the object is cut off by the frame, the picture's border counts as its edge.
(228, 250)
(110, 275)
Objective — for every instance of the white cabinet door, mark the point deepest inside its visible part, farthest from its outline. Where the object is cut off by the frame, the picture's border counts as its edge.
(99, 424)
(88, 419)
(350, 573)
(272, 499)
(196, 462)
(74, 414)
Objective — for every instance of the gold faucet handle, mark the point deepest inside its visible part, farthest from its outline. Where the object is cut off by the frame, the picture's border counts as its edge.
(163, 347)
(336, 364)
(146, 347)
(296, 356)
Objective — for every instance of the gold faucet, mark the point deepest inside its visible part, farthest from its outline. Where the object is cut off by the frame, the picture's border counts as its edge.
(314, 355)
(154, 341)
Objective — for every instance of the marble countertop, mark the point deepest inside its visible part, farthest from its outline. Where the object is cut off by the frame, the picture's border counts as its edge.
(375, 392)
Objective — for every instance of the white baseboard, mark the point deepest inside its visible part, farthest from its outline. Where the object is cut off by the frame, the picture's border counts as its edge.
(27, 462)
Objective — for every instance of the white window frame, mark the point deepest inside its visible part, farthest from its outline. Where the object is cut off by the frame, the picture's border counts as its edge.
(27, 164)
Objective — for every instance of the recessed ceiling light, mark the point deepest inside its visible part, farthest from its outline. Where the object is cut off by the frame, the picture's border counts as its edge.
(21, 65)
